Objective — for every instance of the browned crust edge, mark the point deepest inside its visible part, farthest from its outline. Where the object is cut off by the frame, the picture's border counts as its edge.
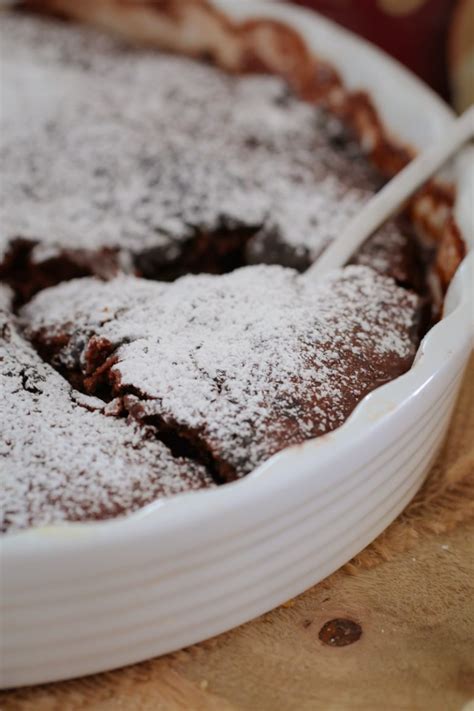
(199, 29)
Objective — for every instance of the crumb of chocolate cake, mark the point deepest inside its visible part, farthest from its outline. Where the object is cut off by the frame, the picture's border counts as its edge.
(240, 365)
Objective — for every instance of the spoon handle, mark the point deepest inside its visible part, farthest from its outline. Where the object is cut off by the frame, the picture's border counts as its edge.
(392, 196)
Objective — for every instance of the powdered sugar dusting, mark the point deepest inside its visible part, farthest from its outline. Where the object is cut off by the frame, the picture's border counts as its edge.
(61, 458)
(103, 147)
(246, 363)
(133, 150)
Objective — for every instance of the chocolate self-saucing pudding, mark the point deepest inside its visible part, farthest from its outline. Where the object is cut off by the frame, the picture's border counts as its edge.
(158, 213)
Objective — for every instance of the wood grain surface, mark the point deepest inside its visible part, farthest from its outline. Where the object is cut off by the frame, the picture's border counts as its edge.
(411, 592)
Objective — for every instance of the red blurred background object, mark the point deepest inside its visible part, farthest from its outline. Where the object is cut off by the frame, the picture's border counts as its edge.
(416, 32)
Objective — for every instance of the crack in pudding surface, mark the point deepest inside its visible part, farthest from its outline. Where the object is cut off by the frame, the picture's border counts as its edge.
(62, 458)
(241, 365)
(177, 167)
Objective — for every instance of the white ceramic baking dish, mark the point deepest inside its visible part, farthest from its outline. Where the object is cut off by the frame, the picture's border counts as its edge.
(83, 598)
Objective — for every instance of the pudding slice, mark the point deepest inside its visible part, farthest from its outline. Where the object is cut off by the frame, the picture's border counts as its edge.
(234, 367)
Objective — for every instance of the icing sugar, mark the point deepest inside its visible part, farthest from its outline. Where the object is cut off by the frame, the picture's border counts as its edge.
(133, 150)
(246, 363)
